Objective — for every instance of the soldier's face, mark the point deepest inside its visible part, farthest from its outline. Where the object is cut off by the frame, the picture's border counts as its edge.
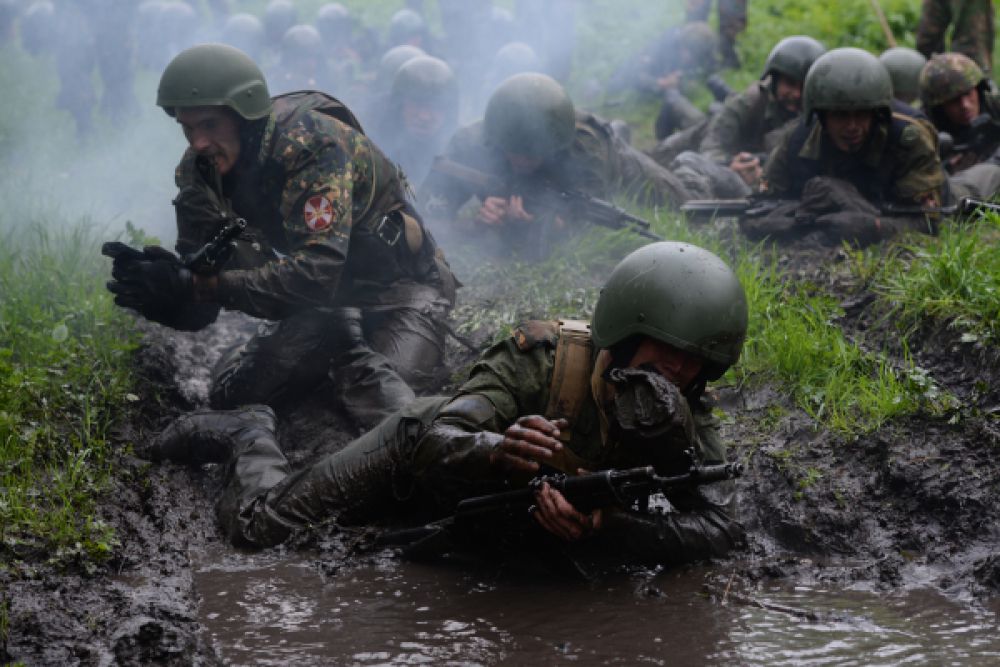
(789, 94)
(212, 132)
(422, 119)
(676, 365)
(962, 110)
(848, 130)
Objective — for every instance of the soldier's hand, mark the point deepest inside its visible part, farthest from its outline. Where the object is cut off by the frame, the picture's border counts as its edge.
(558, 516)
(515, 209)
(528, 442)
(748, 167)
(493, 211)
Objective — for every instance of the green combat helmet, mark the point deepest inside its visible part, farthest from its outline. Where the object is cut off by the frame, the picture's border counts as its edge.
(426, 79)
(214, 75)
(946, 76)
(392, 60)
(530, 114)
(847, 79)
(301, 44)
(792, 57)
(904, 67)
(679, 294)
(404, 26)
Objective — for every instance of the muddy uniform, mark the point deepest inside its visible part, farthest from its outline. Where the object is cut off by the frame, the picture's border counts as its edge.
(898, 165)
(336, 257)
(437, 451)
(972, 31)
(598, 163)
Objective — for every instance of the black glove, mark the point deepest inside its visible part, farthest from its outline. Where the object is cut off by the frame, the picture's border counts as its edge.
(154, 282)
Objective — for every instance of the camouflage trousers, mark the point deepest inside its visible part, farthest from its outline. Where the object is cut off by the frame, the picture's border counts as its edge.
(373, 357)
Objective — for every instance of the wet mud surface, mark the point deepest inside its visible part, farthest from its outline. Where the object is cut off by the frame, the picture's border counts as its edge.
(911, 507)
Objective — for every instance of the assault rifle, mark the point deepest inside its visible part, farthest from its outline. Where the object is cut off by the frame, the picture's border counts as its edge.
(569, 204)
(751, 207)
(629, 488)
(218, 249)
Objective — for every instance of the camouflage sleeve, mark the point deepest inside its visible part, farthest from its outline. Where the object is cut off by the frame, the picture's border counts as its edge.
(935, 17)
(918, 172)
(725, 131)
(316, 206)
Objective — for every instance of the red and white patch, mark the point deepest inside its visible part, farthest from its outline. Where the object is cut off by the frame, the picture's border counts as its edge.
(318, 213)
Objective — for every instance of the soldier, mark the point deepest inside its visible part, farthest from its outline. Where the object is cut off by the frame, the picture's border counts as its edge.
(336, 25)
(334, 256)
(245, 32)
(960, 101)
(972, 29)
(407, 27)
(732, 22)
(904, 66)
(747, 128)
(849, 157)
(532, 136)
(681, 54)
(279, 16)
(421, 115)
(303, 62)
(626, 391)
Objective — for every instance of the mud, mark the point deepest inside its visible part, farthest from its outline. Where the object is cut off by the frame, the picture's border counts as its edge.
(913, 505)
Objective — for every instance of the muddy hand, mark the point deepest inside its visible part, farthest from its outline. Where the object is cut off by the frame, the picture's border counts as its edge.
(558, 516)
(527, 443)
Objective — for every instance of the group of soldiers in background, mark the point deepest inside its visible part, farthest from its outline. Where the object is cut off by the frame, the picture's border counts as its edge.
(825, 147)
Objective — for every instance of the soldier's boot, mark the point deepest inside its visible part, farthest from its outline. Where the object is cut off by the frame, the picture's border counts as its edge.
(210, 436)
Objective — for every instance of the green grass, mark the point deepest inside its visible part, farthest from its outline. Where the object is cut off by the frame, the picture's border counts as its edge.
(64, 380)
(952, 279)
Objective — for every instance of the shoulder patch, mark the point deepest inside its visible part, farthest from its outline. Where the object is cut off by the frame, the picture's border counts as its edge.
(910, 136)
(533, 333)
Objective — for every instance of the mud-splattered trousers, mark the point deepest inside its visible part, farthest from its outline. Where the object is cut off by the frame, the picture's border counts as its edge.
(335, 258)
(426, 457)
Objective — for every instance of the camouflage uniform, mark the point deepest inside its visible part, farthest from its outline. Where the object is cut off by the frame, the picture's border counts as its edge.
(355, 277)
(975, 172)
(598, 163)
(838, 196)
(750, 122)
(421, 461)
(972, 29)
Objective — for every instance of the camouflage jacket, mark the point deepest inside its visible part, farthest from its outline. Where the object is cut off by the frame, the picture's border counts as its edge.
(598, 163)
(988, 139)
(748, 122)
(328, 219)
(899, 164)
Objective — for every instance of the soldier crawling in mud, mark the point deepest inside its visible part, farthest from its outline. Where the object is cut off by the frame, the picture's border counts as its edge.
(531, 142)
(738, 138)
(626, 391)
(333, 255)
(848, 159)
(960, 102)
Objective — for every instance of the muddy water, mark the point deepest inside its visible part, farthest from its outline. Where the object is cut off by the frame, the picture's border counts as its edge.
(270, 610)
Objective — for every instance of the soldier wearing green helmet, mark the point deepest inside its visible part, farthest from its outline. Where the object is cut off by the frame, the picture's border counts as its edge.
(420, 116)
(748, 126)
(531, 134)
(333, 256)
(556, 396)
(904, 66)
(849, 157)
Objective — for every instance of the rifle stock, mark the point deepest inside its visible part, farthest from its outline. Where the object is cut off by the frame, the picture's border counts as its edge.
(210, 256)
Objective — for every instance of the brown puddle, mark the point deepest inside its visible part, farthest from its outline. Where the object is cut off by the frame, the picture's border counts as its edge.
(270, 609)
